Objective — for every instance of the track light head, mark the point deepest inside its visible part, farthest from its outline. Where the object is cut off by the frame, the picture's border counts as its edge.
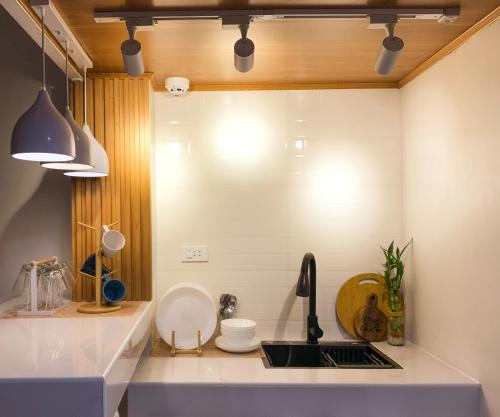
(389, 53)
(243, 55)
(132, 54)
(244, 50)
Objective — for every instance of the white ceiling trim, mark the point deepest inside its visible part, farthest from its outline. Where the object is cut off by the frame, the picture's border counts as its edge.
(58, 27)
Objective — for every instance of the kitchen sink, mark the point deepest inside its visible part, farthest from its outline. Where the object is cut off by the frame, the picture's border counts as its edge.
(354, 355)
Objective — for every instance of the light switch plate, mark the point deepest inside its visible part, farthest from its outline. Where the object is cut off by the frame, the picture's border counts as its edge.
(195, 253)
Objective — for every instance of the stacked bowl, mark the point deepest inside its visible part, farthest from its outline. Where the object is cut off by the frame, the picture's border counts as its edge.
(238, 335)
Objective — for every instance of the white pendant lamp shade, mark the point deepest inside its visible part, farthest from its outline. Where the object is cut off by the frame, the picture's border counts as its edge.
(84, 156)
(101, 163)
(42, 134)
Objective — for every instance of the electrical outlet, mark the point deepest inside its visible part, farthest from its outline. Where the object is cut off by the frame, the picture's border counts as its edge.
(198, 253)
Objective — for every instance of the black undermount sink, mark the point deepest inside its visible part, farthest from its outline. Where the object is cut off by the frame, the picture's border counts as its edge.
(354, 355)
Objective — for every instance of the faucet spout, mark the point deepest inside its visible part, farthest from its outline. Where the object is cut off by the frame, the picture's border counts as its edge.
(306, 287)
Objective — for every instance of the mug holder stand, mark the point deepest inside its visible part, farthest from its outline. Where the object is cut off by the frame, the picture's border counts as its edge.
(197, 350)
(97, 307)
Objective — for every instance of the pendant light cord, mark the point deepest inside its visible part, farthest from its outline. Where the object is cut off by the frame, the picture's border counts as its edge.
(43, 48)
(84, 95)
(67, 78)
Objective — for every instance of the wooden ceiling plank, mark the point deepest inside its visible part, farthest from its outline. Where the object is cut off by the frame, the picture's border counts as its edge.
(302, 52)
(486, 21)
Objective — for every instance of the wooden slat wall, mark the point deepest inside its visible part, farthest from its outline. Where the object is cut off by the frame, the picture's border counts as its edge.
(118, 112)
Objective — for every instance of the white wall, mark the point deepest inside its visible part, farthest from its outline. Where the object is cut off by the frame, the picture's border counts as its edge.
(451, 125)
(228, 175)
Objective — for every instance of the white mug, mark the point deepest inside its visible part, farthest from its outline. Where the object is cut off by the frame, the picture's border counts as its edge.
(112, 241)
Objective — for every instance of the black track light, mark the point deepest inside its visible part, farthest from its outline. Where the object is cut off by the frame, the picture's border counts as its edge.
(244, 50)
(389, 53)
(132, 54)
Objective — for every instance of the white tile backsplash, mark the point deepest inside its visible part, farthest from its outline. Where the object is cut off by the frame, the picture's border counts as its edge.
(228, 175)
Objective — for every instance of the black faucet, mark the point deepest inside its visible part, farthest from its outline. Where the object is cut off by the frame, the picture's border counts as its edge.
(306, 287)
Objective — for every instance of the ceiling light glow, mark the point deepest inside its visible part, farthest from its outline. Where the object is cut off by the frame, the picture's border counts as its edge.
(239, 137)
(336, 182)
(174, 148)
(299, 145)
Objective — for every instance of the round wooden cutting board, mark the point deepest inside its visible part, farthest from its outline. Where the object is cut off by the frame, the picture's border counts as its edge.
(352, 296)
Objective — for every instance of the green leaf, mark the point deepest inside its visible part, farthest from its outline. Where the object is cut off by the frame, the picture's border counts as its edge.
(408, 244)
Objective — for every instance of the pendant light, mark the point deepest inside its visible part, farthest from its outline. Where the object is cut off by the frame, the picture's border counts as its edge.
(101, 164)
(41, 133)
(84, 158)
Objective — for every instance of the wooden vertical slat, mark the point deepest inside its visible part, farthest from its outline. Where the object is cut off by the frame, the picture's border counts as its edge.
(97, 186)
(115, 161)
(145, 186)
(123, 171)
(109, 144)
(127, 261)
(118, 113)
(77, 112)
(79, 237)
(135, 207)
(75, 213)
(87, 285)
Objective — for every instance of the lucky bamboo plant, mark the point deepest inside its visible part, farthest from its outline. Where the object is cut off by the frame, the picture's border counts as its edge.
(394, 270)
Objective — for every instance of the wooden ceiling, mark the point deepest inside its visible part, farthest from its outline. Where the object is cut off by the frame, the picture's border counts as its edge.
(302, 51)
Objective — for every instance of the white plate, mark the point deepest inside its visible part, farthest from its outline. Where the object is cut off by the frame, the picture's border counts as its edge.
(222, 344)
(186, 308)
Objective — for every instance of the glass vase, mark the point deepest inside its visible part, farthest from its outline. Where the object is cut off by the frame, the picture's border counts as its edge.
(396, 329)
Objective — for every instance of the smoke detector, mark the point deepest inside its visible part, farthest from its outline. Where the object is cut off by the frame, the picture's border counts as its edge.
(177, 85)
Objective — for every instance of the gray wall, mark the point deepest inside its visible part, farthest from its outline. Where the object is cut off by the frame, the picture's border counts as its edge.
(35, 204)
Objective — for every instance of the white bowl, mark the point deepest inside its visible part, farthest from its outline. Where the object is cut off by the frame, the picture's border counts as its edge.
(238, 341)
(232, 336)
(223, 344)
(238, 332)
(243, 331)
(238, 324)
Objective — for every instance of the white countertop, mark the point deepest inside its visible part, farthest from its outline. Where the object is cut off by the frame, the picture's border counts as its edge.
(243, 387)
(418, 368)
(70, 366)
(76, 347)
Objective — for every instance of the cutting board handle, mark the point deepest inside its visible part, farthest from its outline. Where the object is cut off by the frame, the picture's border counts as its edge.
(364, 280)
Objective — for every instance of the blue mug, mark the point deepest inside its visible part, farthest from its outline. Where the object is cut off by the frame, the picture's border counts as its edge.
(89, 267)
(113, 290)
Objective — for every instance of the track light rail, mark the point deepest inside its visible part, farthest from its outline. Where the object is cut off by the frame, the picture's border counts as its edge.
(441, 14)
(244, 48)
